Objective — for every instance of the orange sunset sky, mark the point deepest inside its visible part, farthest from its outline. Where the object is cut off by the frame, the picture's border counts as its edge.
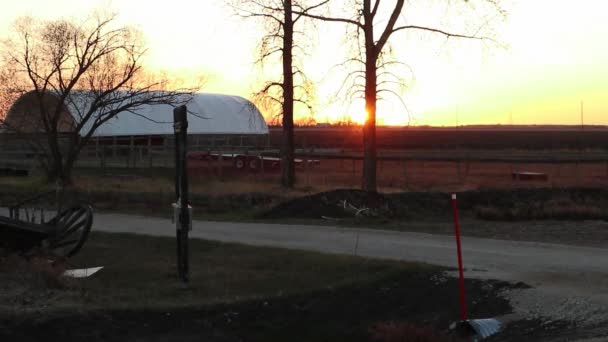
(555, 55)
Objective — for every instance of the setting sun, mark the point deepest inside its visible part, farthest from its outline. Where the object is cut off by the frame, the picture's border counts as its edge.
(357, 112)
(540, 78)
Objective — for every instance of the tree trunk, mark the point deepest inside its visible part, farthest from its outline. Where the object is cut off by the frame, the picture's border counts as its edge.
(62, 162)
(56, 170)
(369, 127)
(59, 173)
(287, 155)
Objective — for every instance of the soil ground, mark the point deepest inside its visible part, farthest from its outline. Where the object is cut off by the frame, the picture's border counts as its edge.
(341, 314)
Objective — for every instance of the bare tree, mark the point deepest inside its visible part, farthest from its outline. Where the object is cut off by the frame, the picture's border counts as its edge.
(282, 38)
(71, 78)
(373, 33)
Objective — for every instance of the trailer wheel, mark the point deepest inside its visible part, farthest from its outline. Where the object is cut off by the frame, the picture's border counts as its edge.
(239, 163)
(254, 164)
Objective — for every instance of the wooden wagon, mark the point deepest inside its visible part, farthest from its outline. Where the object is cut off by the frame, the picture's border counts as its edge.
(26, 229)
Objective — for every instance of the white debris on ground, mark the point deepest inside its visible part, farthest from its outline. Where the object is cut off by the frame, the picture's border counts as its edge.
(82, 273)
(439, 278)
(548, 305)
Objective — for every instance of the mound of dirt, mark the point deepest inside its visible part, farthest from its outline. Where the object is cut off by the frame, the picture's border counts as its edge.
(335, 204)
(508, 205)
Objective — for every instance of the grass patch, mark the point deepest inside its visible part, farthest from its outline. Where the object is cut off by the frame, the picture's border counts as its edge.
(159, 180)
(552, 209)
(140, 272)
(240, 293)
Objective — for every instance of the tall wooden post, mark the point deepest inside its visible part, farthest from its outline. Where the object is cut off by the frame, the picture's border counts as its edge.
(181, 190)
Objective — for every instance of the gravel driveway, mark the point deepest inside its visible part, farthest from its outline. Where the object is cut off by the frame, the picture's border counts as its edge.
(568, 282)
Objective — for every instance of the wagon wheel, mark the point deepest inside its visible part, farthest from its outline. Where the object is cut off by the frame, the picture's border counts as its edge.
(72, 229)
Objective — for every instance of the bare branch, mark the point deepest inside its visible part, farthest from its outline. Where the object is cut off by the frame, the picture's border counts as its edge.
(329, 19)
(389, 26)
(445, 33)
(308, 9)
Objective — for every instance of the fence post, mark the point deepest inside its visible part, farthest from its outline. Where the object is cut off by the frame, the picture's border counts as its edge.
(114, 154)
(215, 162)
(149, 151)
(307, 170)
(220, 158)
(405, 181)
(261, 160)
(354, 171)
(209, 166)
(133, 155)
(97, 151)
(103, 158)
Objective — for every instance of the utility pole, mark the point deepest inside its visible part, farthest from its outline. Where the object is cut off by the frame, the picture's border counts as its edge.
(582, 117)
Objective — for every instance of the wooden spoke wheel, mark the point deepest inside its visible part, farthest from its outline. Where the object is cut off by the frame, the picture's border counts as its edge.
(72, 227)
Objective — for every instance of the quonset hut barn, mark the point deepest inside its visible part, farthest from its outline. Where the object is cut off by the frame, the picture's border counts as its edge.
(216, 123)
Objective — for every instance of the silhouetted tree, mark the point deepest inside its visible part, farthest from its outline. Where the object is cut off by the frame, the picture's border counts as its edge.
(71, 78)
(373, 33)
(280, 23)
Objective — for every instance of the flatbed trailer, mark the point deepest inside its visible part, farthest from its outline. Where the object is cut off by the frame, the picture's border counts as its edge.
(247, 161)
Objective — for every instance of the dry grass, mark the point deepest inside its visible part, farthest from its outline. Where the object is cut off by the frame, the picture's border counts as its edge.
(559, 208)
(161, 181)
(393, 176)
(212, 187)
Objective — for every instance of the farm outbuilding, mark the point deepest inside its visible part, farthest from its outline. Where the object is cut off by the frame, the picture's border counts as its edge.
(216, 122)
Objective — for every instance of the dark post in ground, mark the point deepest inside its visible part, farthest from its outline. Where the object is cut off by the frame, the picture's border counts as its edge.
(182, 213)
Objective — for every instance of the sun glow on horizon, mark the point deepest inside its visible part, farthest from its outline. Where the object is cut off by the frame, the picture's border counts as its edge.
(388, 113)
(358, 113)
(541, 78)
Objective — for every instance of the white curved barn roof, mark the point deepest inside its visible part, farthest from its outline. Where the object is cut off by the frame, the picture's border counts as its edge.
(208, 114)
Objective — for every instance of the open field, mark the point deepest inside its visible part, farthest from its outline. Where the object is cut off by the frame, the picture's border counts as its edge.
(417, 175)
(471, 137)
(393, 176)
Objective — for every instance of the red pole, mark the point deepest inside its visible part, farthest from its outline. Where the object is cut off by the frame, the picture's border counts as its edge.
(463, 303)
